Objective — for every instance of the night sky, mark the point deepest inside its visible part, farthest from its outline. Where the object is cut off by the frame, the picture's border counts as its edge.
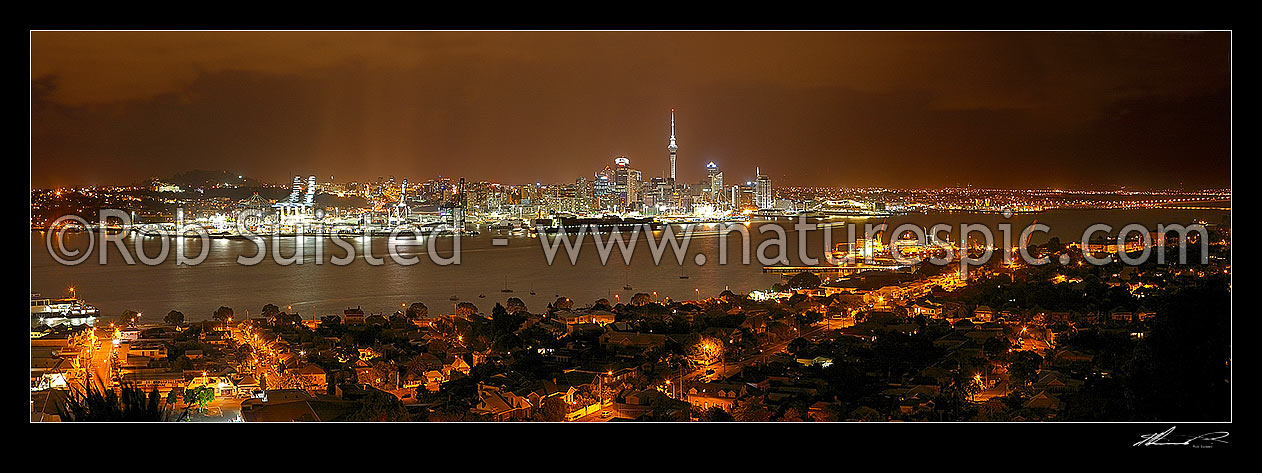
(1009, 110)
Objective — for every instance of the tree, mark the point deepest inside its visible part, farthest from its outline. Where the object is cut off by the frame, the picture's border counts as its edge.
(995, 348)
(752, 410)
(199, 396)
(174, 317)
(640, 299)
(284, 318)
(804, 280)
(807, 318)
(383, 374)
(792, 414)
(380, 406)
(866, 414)
(716, 414)
(707, 350)
(553, 409)
(129, 317)
(1182, 368)
(603, 304)
(798, 345)
(222, 314)
(503, 323)
(181, 363)
(399, 321)
(515, 305)
(563, 303)
(1024, 366)
(269, 311)
(466, 309)
(98, 404)
(951, 402)
(417, 311)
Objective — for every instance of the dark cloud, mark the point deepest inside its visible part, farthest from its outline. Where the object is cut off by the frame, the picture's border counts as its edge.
(897, 109)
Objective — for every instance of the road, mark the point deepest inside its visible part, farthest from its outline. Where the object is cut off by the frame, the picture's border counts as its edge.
(97, 360)
(596, 417)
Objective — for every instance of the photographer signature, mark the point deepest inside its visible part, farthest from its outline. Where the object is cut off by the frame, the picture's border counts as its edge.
(1203, 440)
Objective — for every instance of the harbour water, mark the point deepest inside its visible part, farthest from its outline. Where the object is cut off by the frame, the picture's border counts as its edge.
(485, 269)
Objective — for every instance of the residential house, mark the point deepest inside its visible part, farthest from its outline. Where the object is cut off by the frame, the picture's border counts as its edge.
(501, 405)
(983, 314)
(314, 378)
(1043, 400)
(721, 395)
(1055, 382)
(353, 316)
(632, 340)
(434, 380)
(584, 316)
(151, 351)
(925, 308)
(457, 364)
(756, 324)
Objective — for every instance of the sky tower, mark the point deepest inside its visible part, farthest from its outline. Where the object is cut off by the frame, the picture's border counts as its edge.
(672, 148)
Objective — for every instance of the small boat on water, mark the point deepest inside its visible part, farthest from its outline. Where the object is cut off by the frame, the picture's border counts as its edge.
(506, 289)
(454, 298)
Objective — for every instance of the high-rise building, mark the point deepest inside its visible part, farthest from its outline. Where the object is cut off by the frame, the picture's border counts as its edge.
(634, 178)
(715, 182)
(744, 196)
(624, 186)
(603, 191)
(584, 197)
(672, 147)
(661, 191)
(763, 196)
(621, 176)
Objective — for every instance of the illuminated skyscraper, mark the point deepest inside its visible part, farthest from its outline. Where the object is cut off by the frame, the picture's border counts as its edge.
(714, 182)
(762, 191)
(620, 174)
(634, 177)
(626, 181)
(604, 188)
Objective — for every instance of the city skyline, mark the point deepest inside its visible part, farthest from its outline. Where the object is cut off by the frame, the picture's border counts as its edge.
(952, 108)
(947, 227)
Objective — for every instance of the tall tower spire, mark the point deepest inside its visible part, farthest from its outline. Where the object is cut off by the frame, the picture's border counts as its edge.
(672, 148)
